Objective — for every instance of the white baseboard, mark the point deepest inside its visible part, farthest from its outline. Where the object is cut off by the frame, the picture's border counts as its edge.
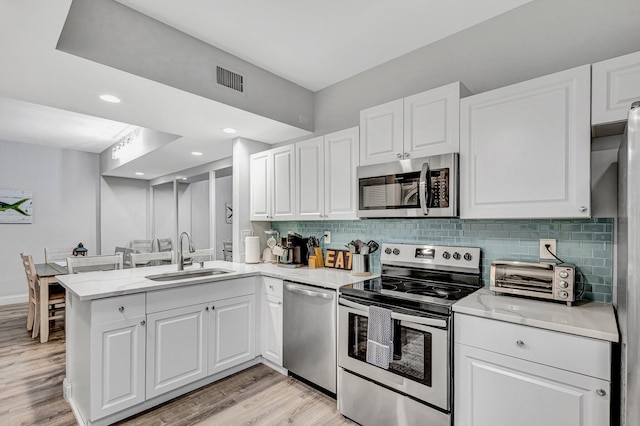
(12, 300)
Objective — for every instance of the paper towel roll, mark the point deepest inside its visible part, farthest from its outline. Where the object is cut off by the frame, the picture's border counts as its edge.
(252, 250)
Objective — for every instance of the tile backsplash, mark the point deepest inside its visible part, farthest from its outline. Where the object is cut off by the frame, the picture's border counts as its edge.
(588, 243)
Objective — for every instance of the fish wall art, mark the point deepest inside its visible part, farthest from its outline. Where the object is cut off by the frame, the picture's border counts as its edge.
(16, 206)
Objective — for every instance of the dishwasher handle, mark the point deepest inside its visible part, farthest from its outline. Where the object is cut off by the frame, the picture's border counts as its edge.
(304, 291)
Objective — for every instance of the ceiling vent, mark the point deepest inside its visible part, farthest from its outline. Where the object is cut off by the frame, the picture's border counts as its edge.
(230, 79)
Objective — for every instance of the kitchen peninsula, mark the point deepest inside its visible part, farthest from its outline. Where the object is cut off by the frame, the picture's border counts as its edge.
(133, 343)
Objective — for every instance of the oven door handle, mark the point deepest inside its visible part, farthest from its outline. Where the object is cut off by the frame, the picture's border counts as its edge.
(432, 322)
(425, 188)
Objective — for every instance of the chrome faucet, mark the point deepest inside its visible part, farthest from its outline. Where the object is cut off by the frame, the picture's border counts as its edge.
(180, 256)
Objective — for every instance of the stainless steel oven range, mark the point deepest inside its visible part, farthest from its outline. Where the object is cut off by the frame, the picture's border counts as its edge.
(415, 291)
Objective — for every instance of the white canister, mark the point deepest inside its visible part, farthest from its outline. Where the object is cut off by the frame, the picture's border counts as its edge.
(252, 250)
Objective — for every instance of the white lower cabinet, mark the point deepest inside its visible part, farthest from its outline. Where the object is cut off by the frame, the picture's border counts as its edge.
(231, 332)
(507, 374)
(176, 348)
(117, 357)
(125, 353)
(271, 321)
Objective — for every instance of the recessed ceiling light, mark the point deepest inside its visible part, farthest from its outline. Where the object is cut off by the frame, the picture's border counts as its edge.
(229, 130)
(110, 98)
(196, 153)
(139, 174)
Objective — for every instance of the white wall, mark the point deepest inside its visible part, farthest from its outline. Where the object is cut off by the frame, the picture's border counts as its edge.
(224, 194)
(65, 188)
(124, 211)
(164, 211)
(200, 218)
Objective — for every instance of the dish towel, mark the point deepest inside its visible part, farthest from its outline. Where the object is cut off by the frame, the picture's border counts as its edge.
(379, 337)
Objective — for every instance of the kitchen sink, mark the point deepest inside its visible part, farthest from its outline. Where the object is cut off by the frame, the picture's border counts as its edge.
(183, 275)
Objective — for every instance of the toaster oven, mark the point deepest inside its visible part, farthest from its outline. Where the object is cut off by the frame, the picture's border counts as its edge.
(538, 280)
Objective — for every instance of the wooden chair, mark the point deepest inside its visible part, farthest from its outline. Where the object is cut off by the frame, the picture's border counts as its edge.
(94, 263)
(56, 298)
(126, 255)
(163, 244)
(151, 259)
(141, 246)
(201, 255)
(52, 255)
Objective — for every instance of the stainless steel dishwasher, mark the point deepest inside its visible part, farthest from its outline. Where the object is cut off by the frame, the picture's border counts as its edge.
(310, 333)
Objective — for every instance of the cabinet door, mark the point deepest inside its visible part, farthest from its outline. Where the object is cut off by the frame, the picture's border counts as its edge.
(283, 192)
(231, 332)
(496, 390)
(260, 186)
(431, 122)
(615, 85)
(310, 179)
(341, 154)
(381, 133)
(117, 370)
(176, 348)
(525, 149)
(271, 328)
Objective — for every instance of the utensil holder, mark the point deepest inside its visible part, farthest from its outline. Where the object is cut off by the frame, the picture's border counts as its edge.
(360, 265)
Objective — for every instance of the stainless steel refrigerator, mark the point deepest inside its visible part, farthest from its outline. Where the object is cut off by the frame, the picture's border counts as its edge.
(627, 300)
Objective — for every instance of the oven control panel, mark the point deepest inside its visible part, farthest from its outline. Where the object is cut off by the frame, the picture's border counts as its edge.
(430, 256)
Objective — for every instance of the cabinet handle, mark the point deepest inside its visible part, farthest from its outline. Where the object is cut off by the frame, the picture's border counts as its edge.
(406, 155)
(271, 286)
(279, 302)
(601, 392)
(582, 209)
(213, 307)
(520, 343)
(399, 155)
(206, 309)
(143, 322)
(121, 308)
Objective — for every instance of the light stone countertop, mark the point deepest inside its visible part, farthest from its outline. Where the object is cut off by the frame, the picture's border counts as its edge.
(101, 284)
(587, 319)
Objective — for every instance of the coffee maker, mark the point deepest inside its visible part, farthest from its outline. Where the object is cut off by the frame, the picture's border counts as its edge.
(298, 248)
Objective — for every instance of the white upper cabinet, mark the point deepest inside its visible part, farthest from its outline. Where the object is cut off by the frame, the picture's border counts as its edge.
(615, 86)
(310, 177)
(381, 133)
(417, 126)
(525, 149)
(326, 176)
(341, 152)
(272, 190)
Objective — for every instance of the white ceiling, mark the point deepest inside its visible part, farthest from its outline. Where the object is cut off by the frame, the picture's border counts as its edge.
(50, 97)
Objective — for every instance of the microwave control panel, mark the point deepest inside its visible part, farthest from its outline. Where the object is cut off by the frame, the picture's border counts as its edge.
(439, 188)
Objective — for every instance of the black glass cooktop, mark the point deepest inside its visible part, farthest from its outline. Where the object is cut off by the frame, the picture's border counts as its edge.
(422, 290)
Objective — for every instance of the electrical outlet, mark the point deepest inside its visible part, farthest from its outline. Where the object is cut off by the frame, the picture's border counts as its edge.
(544, 254)
(327, 237)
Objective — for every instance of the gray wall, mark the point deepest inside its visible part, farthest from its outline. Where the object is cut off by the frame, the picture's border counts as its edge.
(539, 38)
(124, 210)
(200, 217)
(65, 186)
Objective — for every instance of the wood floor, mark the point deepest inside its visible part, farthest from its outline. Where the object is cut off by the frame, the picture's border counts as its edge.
(31, 375)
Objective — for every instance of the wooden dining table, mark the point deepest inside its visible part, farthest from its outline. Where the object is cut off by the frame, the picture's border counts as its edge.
(46, 273)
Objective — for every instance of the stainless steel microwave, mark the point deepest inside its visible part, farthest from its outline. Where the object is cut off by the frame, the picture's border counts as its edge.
(421, 187)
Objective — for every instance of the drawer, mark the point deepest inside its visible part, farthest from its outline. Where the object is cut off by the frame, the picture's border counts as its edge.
(187, 295)
(272, 286)
(566, 351)
(120, 308)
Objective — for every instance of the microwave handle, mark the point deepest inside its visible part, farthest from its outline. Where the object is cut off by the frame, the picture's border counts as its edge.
(425, 188)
